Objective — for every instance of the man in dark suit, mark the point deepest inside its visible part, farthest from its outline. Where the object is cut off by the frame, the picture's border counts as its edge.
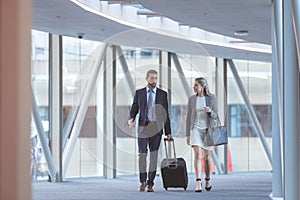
(152, 105)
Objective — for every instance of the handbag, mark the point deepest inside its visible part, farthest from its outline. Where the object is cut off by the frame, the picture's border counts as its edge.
(216, 135)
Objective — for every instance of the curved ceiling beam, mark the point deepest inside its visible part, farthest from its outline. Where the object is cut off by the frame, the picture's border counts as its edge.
(128, 15)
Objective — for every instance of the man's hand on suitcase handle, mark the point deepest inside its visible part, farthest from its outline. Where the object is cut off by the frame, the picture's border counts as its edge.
(169, 138)
(188, 141)
(131, 123)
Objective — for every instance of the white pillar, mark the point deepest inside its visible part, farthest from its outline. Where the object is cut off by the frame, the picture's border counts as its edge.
(164, 74)
(296, 21)
(164, 62)
(56, 101)
(290, 101)
(15, 99)
(100, 106)
(110, 105)
(221, 95)
(277, 187)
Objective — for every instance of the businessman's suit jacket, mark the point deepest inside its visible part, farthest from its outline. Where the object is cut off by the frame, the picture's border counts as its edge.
(210, 101)
(139, 105)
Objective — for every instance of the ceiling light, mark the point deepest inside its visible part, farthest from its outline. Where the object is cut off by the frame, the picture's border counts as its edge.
(241, 33)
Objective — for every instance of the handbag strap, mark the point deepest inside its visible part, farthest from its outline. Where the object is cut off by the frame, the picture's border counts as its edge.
(218, 122)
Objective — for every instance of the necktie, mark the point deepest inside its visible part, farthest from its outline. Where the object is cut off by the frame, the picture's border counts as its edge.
(150, 105)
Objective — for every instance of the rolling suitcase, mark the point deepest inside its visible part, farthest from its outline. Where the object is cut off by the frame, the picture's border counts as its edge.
(173, 170)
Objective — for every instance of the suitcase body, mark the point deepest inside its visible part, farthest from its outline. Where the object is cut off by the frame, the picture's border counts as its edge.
(173, 171)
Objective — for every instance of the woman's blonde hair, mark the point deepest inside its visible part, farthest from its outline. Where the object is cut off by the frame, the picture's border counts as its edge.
(203, 82)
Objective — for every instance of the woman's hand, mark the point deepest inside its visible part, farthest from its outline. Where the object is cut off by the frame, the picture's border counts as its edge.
(207, 109)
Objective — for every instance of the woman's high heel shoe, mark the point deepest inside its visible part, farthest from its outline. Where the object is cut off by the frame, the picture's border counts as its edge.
(207, 186)
(199, 190)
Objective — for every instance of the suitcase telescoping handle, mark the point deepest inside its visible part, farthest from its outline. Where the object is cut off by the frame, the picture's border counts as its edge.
(172, 140)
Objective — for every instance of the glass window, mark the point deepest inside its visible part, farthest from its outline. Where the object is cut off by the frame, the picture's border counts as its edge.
(40, 88)
(78, 58)
(246, 150)
(139, 61)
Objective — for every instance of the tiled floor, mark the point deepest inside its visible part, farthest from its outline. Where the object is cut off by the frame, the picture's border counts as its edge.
(234, 186)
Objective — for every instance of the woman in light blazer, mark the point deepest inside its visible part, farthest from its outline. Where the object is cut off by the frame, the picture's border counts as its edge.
(202, 112)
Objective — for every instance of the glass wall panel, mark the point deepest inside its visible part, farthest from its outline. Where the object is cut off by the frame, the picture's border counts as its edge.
(246, 149)
(78, 58)
(139, 61)
(40, 88)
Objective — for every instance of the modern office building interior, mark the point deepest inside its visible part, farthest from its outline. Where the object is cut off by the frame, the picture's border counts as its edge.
(69, 71)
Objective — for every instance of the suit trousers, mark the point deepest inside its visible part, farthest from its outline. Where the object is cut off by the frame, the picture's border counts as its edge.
(153, 141)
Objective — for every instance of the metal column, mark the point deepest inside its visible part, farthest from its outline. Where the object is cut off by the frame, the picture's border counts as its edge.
(114, 130)
(277, 187)
(68, 124)
(56, 102)
(125, 68)
(290, 101)
(216, 162)
(110, 113)
(226, 114)
(296, 21)
(43, 139)
(178, 67)
(105, 113)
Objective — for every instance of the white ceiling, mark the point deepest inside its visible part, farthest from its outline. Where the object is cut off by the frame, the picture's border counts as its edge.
(217, 16)
(220, 16)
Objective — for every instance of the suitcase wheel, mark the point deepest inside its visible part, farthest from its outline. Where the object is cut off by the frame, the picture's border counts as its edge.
(185, 188)
(166, 188)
